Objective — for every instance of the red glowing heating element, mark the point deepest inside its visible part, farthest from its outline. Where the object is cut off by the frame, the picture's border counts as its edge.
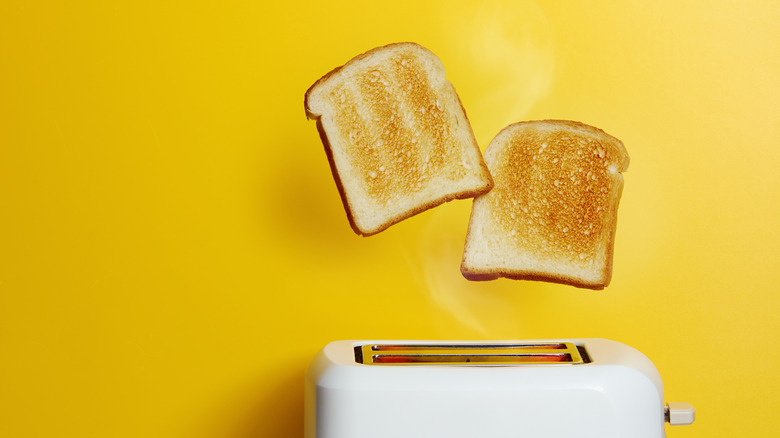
(468, 354)
(538, 358)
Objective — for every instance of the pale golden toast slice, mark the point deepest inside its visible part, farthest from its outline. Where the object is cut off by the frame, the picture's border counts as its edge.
(552, 213)
(396, 136)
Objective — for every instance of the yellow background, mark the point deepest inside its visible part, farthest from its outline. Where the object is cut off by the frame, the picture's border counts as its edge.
(173, 249)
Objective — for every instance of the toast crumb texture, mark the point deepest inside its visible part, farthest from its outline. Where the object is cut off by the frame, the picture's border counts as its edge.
(396, 135)
(553, 211)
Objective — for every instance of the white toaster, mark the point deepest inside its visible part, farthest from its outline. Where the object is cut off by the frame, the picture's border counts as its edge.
(458, 389)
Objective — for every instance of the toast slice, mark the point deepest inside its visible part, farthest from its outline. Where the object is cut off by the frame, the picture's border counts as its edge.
(553, 211)
(396, 136)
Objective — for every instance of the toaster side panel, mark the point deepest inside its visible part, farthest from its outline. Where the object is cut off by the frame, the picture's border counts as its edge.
(585, 413)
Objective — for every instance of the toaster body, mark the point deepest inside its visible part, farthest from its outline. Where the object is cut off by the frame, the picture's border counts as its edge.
(507, 389)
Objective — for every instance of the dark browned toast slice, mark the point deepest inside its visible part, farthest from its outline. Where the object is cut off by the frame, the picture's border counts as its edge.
(552, 214)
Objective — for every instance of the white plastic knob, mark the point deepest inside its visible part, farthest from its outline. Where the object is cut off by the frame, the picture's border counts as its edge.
(680, 413)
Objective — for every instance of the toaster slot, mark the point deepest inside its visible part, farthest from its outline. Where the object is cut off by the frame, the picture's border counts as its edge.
(470, 354)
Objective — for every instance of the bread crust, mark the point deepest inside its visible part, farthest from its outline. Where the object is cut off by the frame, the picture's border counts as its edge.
(483, 262)
(325, 136)
(531, 276)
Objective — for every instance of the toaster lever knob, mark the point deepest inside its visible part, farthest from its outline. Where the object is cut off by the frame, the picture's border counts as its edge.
(679, 413)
